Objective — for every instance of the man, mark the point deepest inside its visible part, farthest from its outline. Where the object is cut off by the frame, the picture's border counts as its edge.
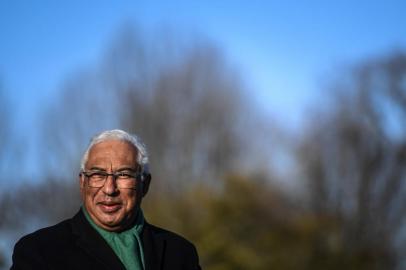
(109, 231)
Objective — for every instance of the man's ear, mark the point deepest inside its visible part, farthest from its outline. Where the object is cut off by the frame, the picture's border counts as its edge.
(146, 180)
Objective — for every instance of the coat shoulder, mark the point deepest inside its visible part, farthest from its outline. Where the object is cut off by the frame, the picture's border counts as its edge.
(31, 250)
(51, 235)
(169, 236)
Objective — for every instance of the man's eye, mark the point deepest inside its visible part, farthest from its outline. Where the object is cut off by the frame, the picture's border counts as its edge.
(124, 175)
(97, 175)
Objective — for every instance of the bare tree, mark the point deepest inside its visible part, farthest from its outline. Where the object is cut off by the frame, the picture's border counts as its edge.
(180, 94)
(354, 159)
(182, 98)
(11, 163)
(5, 131)
(194, 118)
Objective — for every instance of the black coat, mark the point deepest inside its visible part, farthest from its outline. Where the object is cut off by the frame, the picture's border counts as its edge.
(75, 244)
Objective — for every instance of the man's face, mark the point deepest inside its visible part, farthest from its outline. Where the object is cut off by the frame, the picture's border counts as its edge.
(111, 208)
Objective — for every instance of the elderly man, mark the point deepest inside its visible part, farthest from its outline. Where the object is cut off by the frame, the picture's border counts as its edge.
(109, 231)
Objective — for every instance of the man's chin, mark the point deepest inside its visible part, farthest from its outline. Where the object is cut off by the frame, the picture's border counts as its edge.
(109, 218)
(110, 224)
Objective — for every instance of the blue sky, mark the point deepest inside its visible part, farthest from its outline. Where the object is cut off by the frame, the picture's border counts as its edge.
(284, 48)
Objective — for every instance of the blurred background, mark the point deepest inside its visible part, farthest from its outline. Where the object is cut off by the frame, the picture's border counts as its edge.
(276, 129)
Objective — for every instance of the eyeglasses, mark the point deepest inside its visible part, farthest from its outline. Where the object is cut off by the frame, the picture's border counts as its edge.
(125, 179)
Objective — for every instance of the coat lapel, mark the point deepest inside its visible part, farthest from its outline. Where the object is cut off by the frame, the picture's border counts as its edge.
(93, 243)
(154, 248)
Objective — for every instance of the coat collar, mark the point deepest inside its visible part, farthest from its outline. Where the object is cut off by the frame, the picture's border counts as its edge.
(94, 244)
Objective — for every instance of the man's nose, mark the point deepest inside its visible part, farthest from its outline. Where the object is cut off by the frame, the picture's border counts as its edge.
(110, 186)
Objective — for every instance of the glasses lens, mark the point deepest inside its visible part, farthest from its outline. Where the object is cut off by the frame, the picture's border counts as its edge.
(126, 180)
(97, 179)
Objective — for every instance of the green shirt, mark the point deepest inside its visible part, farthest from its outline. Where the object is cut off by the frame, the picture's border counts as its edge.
(127, 244)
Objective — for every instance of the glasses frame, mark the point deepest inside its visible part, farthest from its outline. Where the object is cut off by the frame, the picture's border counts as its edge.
(137, 176)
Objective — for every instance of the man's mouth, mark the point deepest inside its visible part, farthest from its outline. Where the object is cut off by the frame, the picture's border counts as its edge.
(109, 207)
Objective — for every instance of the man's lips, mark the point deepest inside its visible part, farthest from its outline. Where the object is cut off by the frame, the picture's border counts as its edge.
(109, 207)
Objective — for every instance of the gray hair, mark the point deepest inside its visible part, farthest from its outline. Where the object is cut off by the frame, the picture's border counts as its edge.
(120, 135)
